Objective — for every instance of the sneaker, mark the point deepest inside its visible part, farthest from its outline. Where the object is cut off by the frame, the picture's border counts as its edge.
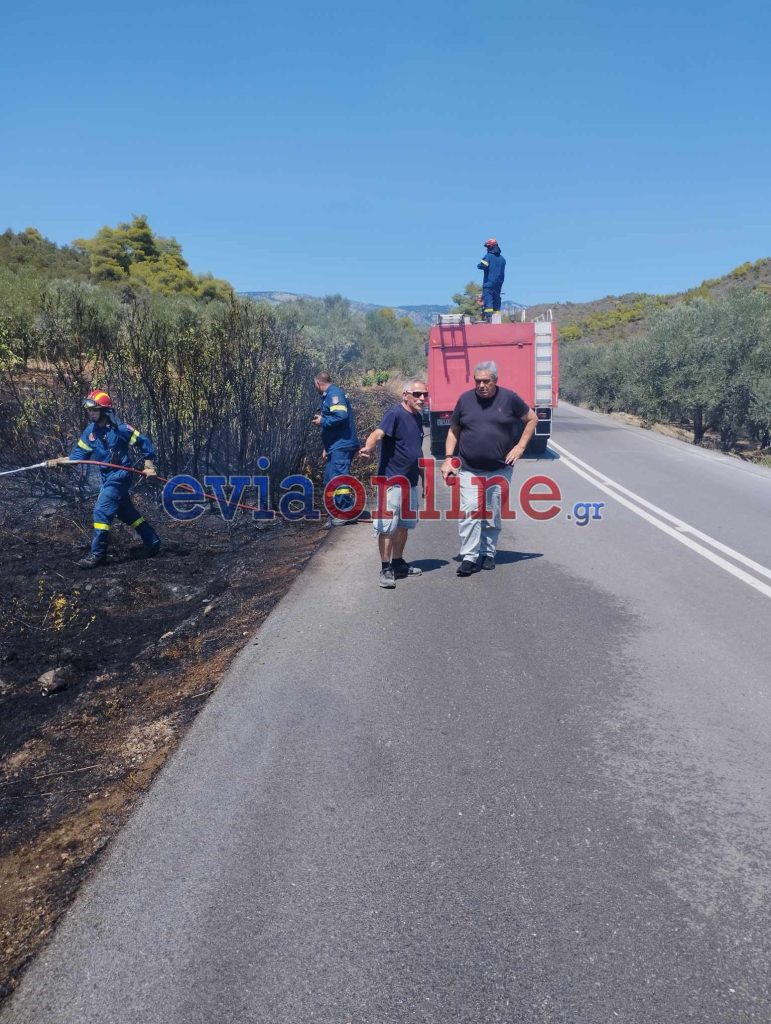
(387, 578)
(467, 567)
(145, 552)
(403, 570)
(90, 561)
(488, 562)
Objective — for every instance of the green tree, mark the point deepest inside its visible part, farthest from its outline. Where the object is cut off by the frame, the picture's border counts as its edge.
(332, 330)
(141, 244)
(108, 254)
(167, 274)
(707, 363)
(467, 301)
(132, 251)
(213, 289)
(391, 342)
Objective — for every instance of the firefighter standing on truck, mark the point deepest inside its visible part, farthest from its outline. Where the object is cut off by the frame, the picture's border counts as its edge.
(108, 439)
(338, 435)
(494, 267)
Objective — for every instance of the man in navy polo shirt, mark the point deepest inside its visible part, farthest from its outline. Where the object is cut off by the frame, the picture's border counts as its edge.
(401, 445)
(490, 430)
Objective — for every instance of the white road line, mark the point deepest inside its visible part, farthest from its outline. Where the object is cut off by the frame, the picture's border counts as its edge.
(674, 445)
(683, 526)
(610, 487)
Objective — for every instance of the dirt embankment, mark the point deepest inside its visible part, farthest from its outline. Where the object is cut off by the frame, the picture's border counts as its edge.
(141, 644)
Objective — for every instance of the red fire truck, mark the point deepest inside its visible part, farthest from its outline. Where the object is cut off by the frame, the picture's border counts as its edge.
(526, 356)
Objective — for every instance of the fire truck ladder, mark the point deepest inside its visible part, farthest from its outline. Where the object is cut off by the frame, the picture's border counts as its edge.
(543, 361)
(452, 351)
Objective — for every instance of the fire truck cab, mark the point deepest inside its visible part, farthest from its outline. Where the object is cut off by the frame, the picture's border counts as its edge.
(525, 353)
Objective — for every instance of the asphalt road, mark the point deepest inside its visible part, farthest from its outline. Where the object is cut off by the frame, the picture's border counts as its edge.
(539, 794)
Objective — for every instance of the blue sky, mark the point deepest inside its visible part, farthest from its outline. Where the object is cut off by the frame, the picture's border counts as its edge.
(370, 149)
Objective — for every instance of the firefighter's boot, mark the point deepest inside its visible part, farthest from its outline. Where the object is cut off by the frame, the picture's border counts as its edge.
(98, 553)
(91, 560)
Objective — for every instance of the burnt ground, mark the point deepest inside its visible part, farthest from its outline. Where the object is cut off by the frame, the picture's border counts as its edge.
(142, 644)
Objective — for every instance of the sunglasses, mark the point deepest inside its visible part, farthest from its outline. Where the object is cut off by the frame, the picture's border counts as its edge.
(419, 394)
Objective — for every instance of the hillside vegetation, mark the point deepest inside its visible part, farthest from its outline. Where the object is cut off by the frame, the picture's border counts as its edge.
(202, 370)
(701, 359)
(616, 318)
(29, 251)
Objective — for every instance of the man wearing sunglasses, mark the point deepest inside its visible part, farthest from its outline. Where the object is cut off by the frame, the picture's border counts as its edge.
(486, 423)
(401, 445)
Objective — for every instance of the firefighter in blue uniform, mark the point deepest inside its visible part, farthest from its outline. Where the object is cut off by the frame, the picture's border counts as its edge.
(108, 439)
(494, 267)
(338, 435)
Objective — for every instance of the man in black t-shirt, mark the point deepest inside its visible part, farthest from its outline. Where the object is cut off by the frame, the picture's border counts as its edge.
(401, 445)
(485, 424)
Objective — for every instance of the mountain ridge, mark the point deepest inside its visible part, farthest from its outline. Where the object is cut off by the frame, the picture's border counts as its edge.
(609, 318)
(423, 315)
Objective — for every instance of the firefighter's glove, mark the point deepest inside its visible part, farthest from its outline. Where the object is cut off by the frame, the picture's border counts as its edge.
(150, 469)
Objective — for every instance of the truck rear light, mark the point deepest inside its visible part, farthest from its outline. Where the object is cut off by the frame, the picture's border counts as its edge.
(543, 414)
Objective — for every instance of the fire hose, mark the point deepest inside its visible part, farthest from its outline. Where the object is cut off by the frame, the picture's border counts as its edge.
(128, 469)
(23, 469)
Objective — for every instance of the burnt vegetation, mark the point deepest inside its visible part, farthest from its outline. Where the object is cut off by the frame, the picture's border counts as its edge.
(101, 673)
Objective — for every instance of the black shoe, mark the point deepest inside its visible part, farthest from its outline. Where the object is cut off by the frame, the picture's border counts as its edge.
(145, 552)
(466, 568)
(90, 561)
(403, 570)
(488, 562)
(386, 578)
